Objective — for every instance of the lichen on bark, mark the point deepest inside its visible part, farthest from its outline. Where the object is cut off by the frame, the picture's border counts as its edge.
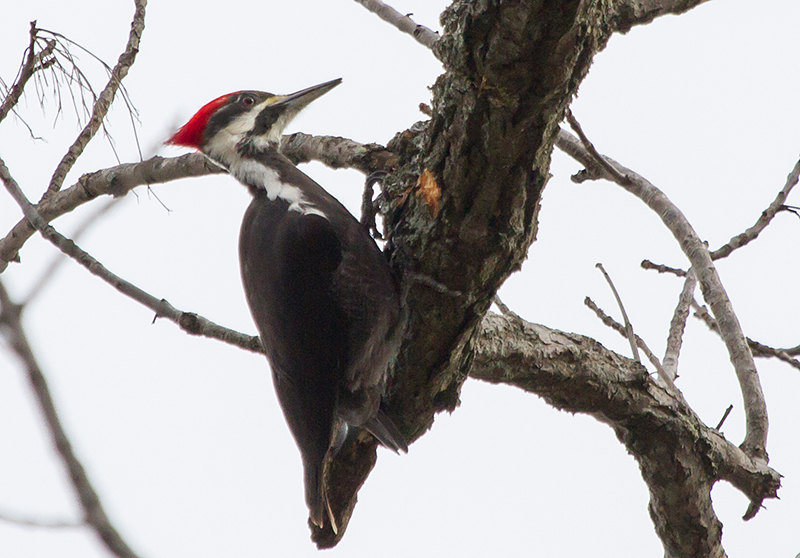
(511, 69)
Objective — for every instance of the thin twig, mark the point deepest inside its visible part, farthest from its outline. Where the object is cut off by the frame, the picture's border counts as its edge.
(41, 523)
(508, 312)
(647, 264)
(93, 510)
(724, 417)
(599, 159)
(765, 351)
(26, 71)
(759, 349)
(189, 322)
(404, 23)
(619, 328)
(710, 284)
(628, 326)
(64, 65)
(766, 217)
(49, 273)
(103, 103)
(677, 326)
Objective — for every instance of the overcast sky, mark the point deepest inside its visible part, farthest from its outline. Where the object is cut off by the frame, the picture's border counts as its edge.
(183, 436)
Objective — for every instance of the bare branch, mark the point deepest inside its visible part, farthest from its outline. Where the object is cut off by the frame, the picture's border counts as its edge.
(95, 515)
(117, 181)
(702, 314)
(626, 14)
(647, 264)
(103, 102)
(49, 273)
(680, 457)
(750, 234)
(507, 312)
(677, 325)
(619, 328)
(794, 351)
(764, 351)
(189, 322)
(597, 159)
(25, 73)
(724, 417)
(759, 349)
(628, 326)
(710, 284)
(766, 217)
(41, 523)
(338, 153)
(404, 23)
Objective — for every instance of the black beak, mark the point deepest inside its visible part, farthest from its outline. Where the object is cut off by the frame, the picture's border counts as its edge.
(296, 102)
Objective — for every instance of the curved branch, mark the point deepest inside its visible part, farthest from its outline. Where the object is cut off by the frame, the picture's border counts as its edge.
(714, 293)
(93, 511)
(680, 457)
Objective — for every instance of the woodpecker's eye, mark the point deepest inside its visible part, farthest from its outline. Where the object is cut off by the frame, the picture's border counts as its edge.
(248, 101)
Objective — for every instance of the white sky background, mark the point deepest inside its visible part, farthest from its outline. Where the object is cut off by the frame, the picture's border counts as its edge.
(183, 436)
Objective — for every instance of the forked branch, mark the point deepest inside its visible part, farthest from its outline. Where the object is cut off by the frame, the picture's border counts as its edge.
(710, 285)
(680, 457)
(103, 102)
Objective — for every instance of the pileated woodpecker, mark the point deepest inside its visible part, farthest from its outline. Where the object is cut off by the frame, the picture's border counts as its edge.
(320, 291)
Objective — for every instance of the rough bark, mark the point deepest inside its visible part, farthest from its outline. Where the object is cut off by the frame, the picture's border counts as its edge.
(462, 205)
(465, 197)
(680, 457)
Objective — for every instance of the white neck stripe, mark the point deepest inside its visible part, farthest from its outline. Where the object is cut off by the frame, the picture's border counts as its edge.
(264, 178)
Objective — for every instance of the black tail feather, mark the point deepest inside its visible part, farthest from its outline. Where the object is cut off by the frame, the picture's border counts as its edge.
(382, 427)
(317, 497)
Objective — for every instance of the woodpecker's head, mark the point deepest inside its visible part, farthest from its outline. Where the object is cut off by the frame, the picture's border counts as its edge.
(233, 120)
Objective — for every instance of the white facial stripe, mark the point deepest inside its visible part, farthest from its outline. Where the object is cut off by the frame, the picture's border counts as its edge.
(222, 146)
(262, 177)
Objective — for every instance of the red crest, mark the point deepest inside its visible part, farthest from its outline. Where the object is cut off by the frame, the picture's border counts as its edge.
(191, 134)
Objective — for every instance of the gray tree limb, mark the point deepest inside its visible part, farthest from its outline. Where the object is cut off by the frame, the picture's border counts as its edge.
(94, 514)
(462, 206)
(26, 72)
(730, 330)
(117, 181)
(680, 457)
(103, 102)
(403, 22)
(464, 200)
(763, 220)
(625, 14)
